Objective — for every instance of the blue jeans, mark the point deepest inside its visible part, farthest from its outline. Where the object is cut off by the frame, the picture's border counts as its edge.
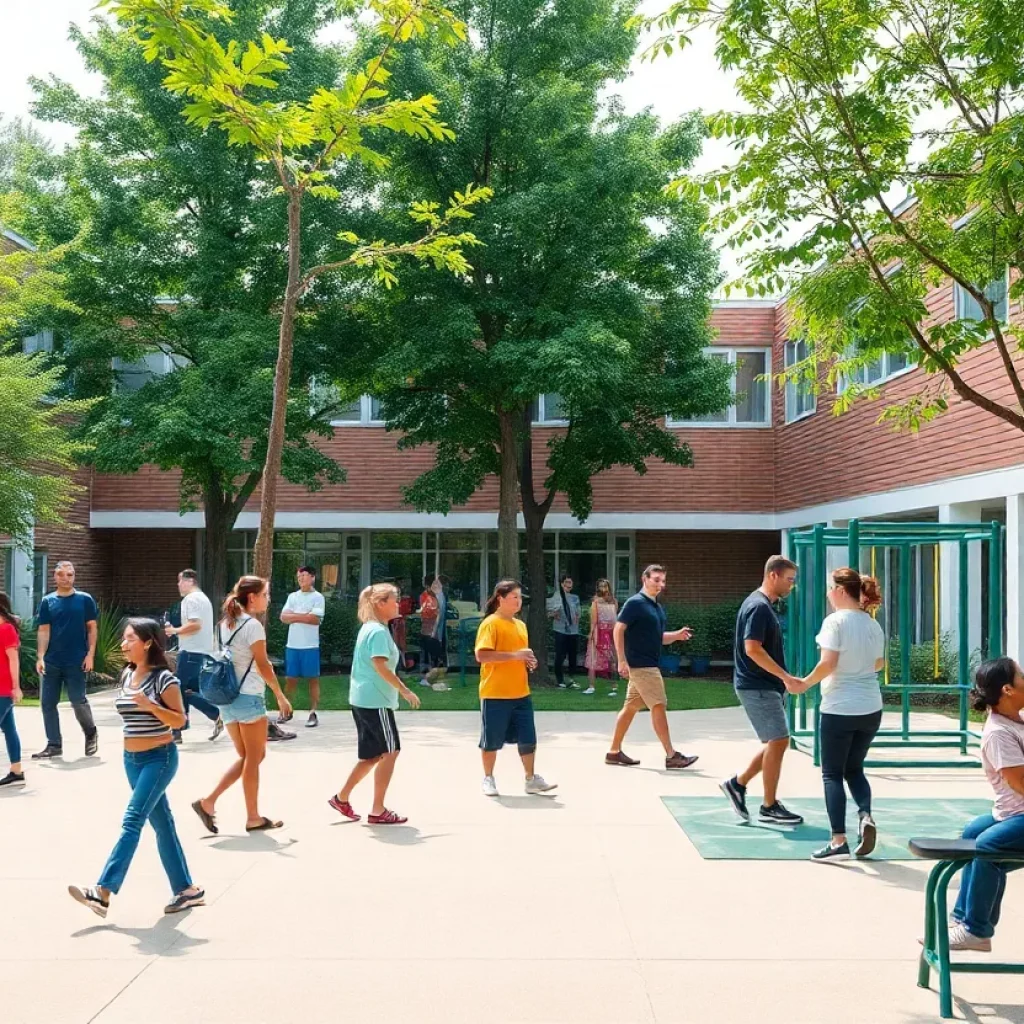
(54, 678)
(9, 729)
(983, 882)
(149, 773)
(188, 666)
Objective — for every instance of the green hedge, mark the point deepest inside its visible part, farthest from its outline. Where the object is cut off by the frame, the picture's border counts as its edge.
(337, 633)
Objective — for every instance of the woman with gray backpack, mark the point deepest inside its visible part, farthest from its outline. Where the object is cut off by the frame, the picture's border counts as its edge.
(242, 636)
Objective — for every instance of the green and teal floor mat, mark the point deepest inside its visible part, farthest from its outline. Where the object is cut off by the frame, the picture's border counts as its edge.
(711, 825)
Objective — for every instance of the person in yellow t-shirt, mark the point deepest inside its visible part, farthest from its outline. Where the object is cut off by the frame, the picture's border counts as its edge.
(503, 652)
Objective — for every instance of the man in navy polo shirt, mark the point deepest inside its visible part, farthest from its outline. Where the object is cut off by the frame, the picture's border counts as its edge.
(639, 636)
(66, 648)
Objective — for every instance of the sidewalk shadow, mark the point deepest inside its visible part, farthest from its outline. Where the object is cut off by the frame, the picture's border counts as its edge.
(252, 842)
(162, 939)
(521, 803)
(59, 764)
(403, 835)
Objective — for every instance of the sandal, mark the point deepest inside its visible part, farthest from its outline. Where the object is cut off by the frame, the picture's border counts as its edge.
(387, 818)
(206, 818)
(344, 808)
(264, 826)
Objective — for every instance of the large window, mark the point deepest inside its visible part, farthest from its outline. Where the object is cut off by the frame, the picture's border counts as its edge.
(750, 406)
(968, 308)
(880, 369)
(801, 400)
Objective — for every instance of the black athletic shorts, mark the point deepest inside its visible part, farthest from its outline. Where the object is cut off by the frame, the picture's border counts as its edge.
(377, 732)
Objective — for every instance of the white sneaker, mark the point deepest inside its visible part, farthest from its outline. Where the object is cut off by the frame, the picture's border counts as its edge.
(536, 784)
(489, 787)
(960, 938)
(589, 689)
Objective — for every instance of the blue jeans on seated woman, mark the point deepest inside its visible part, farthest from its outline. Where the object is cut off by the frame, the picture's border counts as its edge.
(983, 882)
(149, 772)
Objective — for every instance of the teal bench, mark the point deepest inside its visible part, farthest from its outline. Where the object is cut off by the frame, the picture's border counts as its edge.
(950, 855)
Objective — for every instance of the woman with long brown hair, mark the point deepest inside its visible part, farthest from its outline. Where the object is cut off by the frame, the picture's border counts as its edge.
(852, 653)
(245, 717)
(150, 704)
(10, 690)
(601, 643)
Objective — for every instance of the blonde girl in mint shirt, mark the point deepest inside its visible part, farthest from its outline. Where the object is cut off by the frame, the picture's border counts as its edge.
(373, 694)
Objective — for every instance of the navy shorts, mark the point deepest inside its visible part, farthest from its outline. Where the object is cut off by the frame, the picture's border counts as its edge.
(508, 721)
(302, 662)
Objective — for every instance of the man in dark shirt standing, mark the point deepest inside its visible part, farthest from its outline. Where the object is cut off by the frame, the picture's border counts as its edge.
(66, 648)
(639, 635)
(760, 678)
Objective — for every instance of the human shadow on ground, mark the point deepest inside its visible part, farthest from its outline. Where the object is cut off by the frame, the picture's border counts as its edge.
(60, 765)
(162, 939)
(525, 802)
(403, 835)
(891, 872)
(251, 842)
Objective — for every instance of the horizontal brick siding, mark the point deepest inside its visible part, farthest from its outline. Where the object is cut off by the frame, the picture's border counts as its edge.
(84, 547)
(705, 567)
(825, 457)
(144, 566)
(744, 325)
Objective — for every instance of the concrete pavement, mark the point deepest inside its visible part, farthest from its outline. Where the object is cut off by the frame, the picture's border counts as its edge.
(591, 906)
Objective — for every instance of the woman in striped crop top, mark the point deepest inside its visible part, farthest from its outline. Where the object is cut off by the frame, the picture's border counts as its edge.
(149, 702)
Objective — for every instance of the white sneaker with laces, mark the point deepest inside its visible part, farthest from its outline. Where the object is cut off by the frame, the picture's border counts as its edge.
(960, 938)
(489, 786)
(536, 784)
(589, 689)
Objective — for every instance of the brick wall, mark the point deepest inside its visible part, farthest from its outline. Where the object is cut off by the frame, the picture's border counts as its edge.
(143, 566)
(705, 567)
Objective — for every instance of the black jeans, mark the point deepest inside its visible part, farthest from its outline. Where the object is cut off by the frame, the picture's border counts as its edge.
(844, 746)
(432, 653)
(566, 645)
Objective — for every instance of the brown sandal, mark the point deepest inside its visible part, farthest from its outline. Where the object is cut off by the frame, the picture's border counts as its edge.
(265, 825)
(207, 819)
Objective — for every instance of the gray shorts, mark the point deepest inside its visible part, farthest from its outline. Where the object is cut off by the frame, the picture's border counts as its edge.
(766, 710)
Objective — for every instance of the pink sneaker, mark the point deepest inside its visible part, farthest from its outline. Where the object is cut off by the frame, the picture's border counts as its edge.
(344, 808)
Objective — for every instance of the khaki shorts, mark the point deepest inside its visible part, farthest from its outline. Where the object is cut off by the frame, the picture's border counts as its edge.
(646, 688)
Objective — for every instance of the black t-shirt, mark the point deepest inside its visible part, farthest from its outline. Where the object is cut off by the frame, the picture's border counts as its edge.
(645, 621)
(757, 620)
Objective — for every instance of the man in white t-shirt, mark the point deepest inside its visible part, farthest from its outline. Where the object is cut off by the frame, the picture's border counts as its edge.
(303, 612)
(195, 639)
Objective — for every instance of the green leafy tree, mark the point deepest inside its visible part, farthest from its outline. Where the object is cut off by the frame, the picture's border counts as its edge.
(299, 141)
(160, 210)
(593, 283)
(849, 108)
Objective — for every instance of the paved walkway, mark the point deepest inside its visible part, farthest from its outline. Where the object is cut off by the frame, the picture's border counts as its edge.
(589, 907)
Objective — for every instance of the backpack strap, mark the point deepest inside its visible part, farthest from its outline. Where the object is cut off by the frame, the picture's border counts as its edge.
(226, 645)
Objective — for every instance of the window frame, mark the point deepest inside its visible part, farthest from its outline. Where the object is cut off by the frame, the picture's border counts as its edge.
(541, 420)
(959, 297)
(730, 422)
(365, 415)
(844, 381)
(791, 389)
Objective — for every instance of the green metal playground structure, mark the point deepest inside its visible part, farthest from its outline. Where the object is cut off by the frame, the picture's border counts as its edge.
(809, 547)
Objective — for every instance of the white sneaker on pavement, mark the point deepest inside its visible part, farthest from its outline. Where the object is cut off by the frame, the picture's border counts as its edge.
(536, 784)
(489, 787)
(960, 938)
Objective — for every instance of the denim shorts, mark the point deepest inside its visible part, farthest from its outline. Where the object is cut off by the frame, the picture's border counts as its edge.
(302, 662)
(766, 710)
(245, 708)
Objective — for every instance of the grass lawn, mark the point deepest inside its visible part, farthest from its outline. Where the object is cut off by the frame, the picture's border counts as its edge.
(683, 695)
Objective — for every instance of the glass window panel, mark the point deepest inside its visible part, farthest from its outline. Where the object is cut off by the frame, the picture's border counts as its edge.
(354, 542)
(585, 568)
(402, 567)
(282, 578)
(376, 415)
(40, 582)
(237, 567)
(328, 571)
(583, 541)
(751, 393)
(722, 416)
(554, 407)
(896, 361)
(463, 571)
(289, 540)
(874, 371)
(396, 540)
(623, 544)
(453, 540)
(350, 412)
(323, 541)
(995, 292)
(623, 582)
(353, 578)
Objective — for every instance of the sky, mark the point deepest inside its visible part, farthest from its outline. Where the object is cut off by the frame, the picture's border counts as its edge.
(39, 46)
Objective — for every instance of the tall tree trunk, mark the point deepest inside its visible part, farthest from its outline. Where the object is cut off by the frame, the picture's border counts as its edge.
(264, 552)
(508, 497)
(215, 547)
(535, 514)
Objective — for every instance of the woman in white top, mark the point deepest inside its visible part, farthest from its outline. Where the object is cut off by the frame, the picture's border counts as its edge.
(245, 717)
(852, 652)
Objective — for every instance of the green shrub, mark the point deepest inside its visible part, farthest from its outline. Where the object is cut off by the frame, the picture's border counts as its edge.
(922, 661)
(107, 663)
(337, 633)
(713, 626)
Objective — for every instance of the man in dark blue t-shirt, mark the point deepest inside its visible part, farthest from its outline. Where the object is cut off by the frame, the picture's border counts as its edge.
(639, 636)
(66, 648)
(760, 678)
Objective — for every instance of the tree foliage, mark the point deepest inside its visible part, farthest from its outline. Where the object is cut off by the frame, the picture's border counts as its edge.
(851, 107)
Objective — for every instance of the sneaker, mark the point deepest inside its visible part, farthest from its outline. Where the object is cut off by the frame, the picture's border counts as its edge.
(184, 900)
(678, 760)
(778, 815)
(960, 939)
(562, 686)
(573, 685)
(830, 852)
(90, 898)
(13, 779)
(737, 796)
(218, 728)
(536, 784)
(589, 689)
(344, 808)
(275, 733)
(92, 743)
(312, 722)
(489, 787)
(867, 837)
(613, 693)
(47, 752)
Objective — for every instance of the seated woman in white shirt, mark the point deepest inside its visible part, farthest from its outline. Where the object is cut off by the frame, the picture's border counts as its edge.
(852, 653)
